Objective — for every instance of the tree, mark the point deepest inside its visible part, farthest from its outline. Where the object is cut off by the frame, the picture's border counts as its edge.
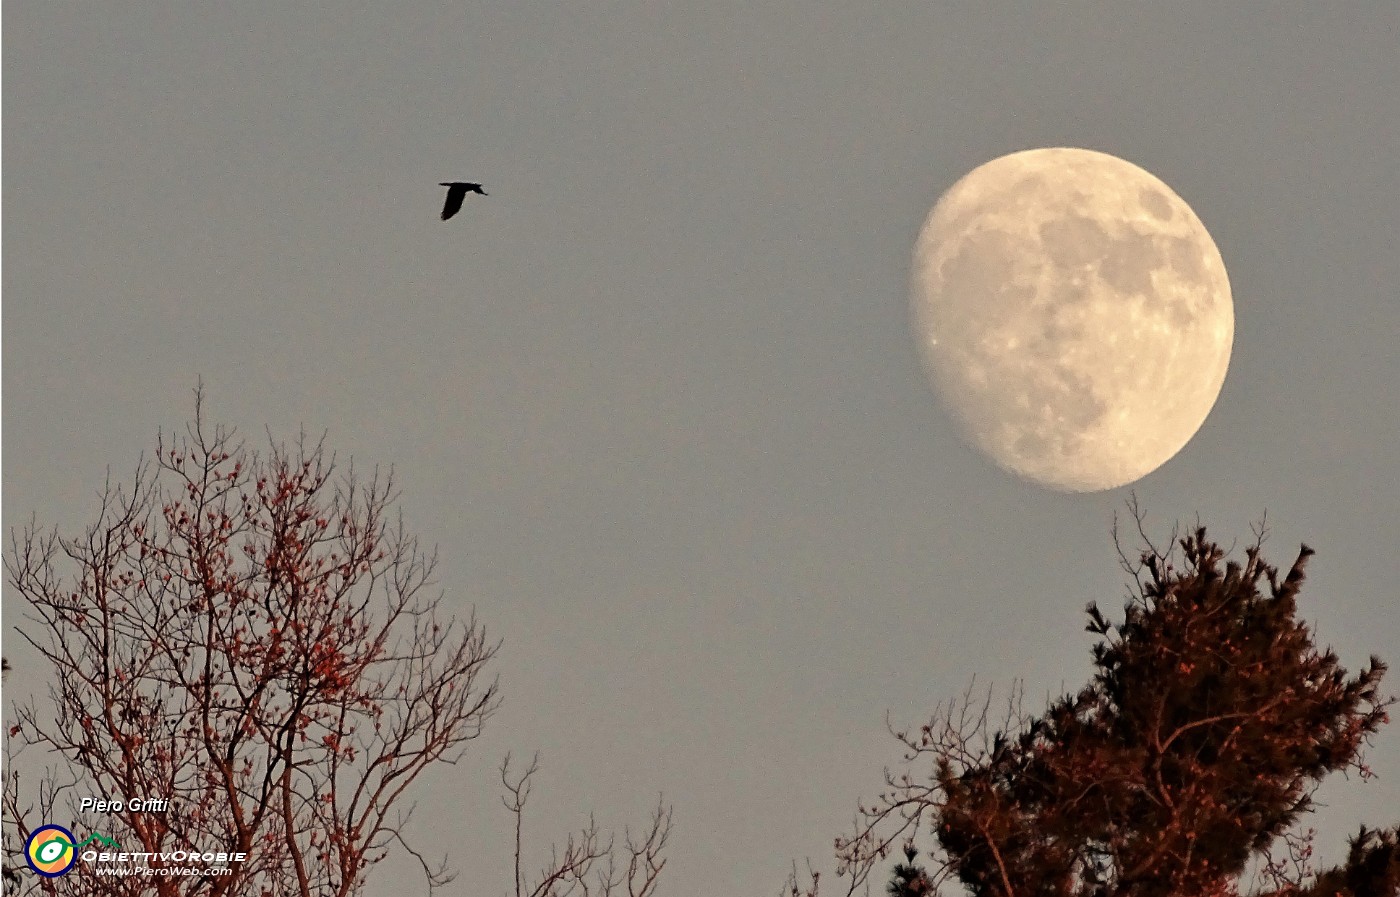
(589, 863)
(1187, 761)
(909, 879)
(252, 638)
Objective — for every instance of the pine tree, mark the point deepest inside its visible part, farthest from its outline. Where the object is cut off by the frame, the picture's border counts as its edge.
(1187, 760)
(910, 880)
(1372, 869)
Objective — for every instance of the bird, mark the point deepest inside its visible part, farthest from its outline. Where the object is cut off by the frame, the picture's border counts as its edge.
(456, 192)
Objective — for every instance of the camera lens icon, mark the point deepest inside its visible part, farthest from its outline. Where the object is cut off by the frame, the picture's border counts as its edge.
(49, 850)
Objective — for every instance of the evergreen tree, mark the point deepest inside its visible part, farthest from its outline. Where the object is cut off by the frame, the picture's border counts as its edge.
(1188, 759)
(910, 880)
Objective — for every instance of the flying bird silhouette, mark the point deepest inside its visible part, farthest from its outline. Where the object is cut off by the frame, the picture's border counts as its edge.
(456, 192)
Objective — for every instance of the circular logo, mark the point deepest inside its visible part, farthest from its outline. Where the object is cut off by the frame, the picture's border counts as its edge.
(50, 850)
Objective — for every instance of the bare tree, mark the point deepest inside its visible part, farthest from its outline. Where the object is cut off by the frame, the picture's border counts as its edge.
(255, 639)
(590, 865)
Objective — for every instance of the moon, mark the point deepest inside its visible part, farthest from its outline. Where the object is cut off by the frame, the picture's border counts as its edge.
(1073, 314)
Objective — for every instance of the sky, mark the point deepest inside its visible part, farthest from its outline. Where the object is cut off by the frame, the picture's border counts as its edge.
(655, 398)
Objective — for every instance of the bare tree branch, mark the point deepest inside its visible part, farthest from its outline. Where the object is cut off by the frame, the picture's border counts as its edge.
(590, 863)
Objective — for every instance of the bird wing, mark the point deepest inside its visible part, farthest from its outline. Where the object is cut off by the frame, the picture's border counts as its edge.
(455, 195)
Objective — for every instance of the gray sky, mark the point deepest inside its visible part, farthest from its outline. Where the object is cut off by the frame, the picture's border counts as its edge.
(655, 397)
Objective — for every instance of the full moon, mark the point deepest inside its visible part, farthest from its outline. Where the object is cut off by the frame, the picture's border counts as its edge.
(1073, 314)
